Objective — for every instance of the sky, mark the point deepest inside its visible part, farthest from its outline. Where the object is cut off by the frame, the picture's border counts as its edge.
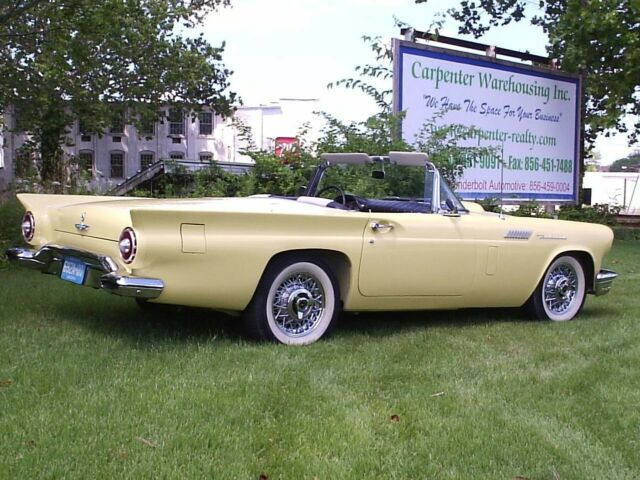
(294, 48)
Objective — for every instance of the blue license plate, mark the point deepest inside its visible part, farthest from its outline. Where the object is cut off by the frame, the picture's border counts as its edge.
(73, 270)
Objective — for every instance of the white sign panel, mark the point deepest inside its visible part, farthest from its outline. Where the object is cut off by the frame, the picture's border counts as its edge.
(528, 117)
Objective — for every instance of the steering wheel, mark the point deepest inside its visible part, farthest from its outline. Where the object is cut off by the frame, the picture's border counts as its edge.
(335, 188)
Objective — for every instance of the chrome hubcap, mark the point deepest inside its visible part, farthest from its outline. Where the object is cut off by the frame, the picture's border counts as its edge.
(298, 304)
(560, 289)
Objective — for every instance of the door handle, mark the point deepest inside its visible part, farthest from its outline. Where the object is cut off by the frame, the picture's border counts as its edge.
(375, 226)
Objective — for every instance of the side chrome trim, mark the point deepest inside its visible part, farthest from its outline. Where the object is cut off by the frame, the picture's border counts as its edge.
(603, 281)
(101, 270)
(552, 237)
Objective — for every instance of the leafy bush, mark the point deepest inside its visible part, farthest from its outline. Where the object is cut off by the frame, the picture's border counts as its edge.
(531, 209)
(279, 176)
(604, 214)
(599, 213)
(490, 204)
(10, 215)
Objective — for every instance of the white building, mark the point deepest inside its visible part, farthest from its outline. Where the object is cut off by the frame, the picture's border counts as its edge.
(615, 188)
(122, 151)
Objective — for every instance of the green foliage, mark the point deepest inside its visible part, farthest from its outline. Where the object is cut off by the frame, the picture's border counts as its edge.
(62, 60)
(10, 236)
(531, 209)
(628, 164)
(215, 182)
(599, 38)
(378, 135)
(280, 176)
(598, 213)
(490, 204)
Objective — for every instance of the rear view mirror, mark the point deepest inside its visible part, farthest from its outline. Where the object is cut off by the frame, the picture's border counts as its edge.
(378, 174)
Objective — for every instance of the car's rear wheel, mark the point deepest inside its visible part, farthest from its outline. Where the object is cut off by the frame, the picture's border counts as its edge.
(296, 302)
(561, 293)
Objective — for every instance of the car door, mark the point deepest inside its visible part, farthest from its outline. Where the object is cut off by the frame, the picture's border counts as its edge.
(417, 254)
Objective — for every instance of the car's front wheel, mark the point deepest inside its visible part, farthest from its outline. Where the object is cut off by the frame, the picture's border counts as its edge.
(296, 303)
(561, 293)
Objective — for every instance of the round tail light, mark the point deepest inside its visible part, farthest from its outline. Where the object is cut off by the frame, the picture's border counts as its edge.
(127, 245)
(28, 226)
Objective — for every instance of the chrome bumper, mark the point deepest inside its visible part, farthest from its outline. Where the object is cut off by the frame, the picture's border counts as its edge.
(603, 281)
(100, 270)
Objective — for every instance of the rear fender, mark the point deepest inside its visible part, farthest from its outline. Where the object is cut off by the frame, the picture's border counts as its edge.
(42, 206)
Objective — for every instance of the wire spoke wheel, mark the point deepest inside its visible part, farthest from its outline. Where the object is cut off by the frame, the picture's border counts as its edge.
(560, 288)
(561, 292)
(298, 304)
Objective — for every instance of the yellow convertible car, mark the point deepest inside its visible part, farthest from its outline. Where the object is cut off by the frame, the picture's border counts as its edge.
(291, 264)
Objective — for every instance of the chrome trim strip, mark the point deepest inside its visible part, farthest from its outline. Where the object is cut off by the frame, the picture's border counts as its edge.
(101, 270)
(552, 237)
(603, 281)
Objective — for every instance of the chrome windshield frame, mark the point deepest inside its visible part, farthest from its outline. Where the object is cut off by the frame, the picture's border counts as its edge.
(414, 159)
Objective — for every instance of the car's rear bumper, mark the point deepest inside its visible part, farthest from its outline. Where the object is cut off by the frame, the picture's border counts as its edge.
(603, 281)
(100, 270)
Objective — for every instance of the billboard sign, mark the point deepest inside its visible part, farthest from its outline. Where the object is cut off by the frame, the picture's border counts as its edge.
(527, 117)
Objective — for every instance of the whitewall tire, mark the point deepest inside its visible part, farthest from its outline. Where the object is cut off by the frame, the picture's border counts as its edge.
(561, 293)
(296, 303)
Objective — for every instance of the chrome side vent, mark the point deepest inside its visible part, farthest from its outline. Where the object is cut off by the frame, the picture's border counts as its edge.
(518, 234)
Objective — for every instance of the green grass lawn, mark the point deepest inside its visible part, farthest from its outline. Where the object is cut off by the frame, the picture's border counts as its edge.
(93, 387)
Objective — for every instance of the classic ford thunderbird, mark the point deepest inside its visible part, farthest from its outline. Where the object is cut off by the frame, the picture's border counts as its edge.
(291, 264)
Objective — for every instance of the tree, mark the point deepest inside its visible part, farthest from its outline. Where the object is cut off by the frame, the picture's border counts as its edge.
(62, 60)
(627, 164)
(600, 38)
(592, 162)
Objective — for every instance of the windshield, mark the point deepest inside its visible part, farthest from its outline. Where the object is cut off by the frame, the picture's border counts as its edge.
(388, 182)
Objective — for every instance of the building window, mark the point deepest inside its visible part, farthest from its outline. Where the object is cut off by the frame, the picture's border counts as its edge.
(206, 123)
(117, 165)
(146, 160)
(85, 161)
(83, 131)
(147, 128)
(176, 122)
(117, 123)
(176, 156)
(206, 157)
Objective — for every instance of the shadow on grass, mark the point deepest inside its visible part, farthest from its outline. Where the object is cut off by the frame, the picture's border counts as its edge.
(166, 324)
(170, 325)
(382, 324)
(162, 324)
